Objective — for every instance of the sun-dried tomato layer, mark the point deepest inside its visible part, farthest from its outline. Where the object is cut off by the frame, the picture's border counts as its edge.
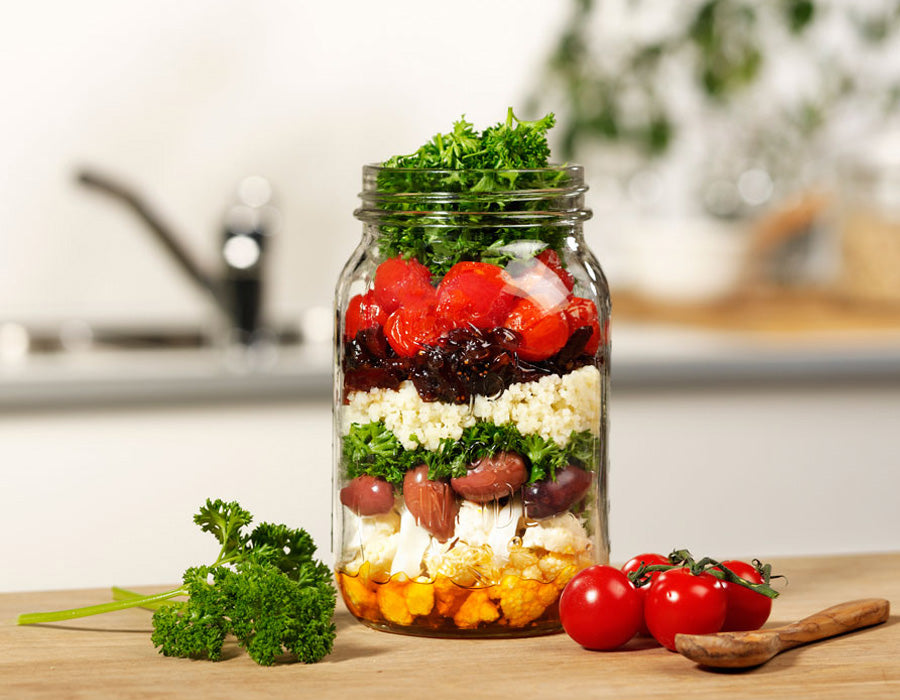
(465, 362)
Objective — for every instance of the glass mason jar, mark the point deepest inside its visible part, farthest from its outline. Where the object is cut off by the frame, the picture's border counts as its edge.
(470, 402)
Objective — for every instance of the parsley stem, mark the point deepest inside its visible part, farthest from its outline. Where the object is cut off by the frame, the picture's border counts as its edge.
(125, 594)
(60, 615)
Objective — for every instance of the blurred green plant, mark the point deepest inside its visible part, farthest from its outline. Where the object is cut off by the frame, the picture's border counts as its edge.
(618, 92)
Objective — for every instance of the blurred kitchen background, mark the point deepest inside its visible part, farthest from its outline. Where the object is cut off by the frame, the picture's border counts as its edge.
(177, 195)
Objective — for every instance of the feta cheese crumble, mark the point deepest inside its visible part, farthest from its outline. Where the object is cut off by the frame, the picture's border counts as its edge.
(552, 407)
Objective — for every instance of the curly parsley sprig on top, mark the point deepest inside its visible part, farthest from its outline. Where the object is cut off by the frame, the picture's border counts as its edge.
(485, 170)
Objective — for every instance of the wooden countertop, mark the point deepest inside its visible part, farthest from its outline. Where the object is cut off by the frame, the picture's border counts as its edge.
(111, 656)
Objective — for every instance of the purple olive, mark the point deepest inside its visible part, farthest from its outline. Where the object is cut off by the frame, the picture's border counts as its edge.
(545, 498)
(432, 503)
(492, 477)
(368, 495)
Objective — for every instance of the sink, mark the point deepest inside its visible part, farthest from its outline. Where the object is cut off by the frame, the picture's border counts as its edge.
(71, 366)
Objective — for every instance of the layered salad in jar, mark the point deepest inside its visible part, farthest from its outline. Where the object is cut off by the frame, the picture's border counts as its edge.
(472, 372)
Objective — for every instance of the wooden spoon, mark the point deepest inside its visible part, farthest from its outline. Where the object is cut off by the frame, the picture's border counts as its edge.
(743, 649)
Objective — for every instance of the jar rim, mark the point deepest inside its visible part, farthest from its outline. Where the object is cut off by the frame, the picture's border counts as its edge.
(571, 175)
(550, 196)
(563, 183)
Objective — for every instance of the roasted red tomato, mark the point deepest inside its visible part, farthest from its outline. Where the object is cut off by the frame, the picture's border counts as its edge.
(635, 564)
(542, 332)
(583, 312)
(747, 610)
(363, 311)
(599, 608)
(411, 327)
(401, 282)
(541, 283)
(475, 293)
(550, 258)
(680, 602)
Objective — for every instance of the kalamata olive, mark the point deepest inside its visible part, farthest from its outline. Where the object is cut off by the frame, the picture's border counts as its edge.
(545, 498)
(492, 477)
(432, 503)
(368, 495)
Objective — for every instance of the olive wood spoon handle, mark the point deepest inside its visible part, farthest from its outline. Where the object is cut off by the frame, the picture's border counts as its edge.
(744, 649)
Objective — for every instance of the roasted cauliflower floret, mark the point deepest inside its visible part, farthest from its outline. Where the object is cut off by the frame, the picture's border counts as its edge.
(392, 604)
(523, 600)
(463, 564)
(448, 596)
(562, 533)
(419, 597)
(476, 609)
(372, 539)
(360, 599)
(400, 600)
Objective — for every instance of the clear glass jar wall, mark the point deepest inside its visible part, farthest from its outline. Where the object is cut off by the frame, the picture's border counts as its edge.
(472, 370)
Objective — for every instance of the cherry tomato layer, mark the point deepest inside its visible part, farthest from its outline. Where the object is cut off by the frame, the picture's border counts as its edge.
(599, 608)
(540, 283)
(401, 282)
(475, 293)
(583, 312)
(680, 602)
(747, 610)
(635, 564)
(550, 258)
(411, 327)
(543, 332)
(363, 311)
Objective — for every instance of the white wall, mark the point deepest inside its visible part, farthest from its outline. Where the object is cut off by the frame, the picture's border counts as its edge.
(106, 497)
(184, 98)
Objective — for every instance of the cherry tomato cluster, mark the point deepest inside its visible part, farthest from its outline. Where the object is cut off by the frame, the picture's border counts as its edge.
(602, 608)
(536, 301)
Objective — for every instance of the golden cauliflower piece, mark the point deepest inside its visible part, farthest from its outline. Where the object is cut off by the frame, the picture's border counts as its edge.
(448, 596)
(523, 600)
(465, 565)
(419, 598)
(392, 602)
(360, 599)
(400, 600)
(560, 568)
(521, 560)
(476, 609)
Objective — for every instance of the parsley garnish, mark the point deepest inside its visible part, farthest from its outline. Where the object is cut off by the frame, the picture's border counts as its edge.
(372, 449)
(484, 173)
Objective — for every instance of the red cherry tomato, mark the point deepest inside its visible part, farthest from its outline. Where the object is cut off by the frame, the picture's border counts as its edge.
(678, 602)
(747, 610)
(550, 258)
(633, 565)
(400, 282)
(541, 283)
(599, 608)
(475, 293)
(583, 312)
(411, 327)
(363, 311)
(542, 332)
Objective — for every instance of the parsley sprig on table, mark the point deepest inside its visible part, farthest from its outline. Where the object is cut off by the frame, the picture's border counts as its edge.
(265, 588)
(372, 449)
(484, 172)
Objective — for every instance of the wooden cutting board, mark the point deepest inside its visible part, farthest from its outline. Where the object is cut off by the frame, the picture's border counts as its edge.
(111, 656)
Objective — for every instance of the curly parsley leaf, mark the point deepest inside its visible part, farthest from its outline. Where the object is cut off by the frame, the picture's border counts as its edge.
(364, 452)
(264, 588)
(465, 162)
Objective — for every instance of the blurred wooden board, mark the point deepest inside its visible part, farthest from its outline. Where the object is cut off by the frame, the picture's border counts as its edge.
(775, 311)
(111, 656)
